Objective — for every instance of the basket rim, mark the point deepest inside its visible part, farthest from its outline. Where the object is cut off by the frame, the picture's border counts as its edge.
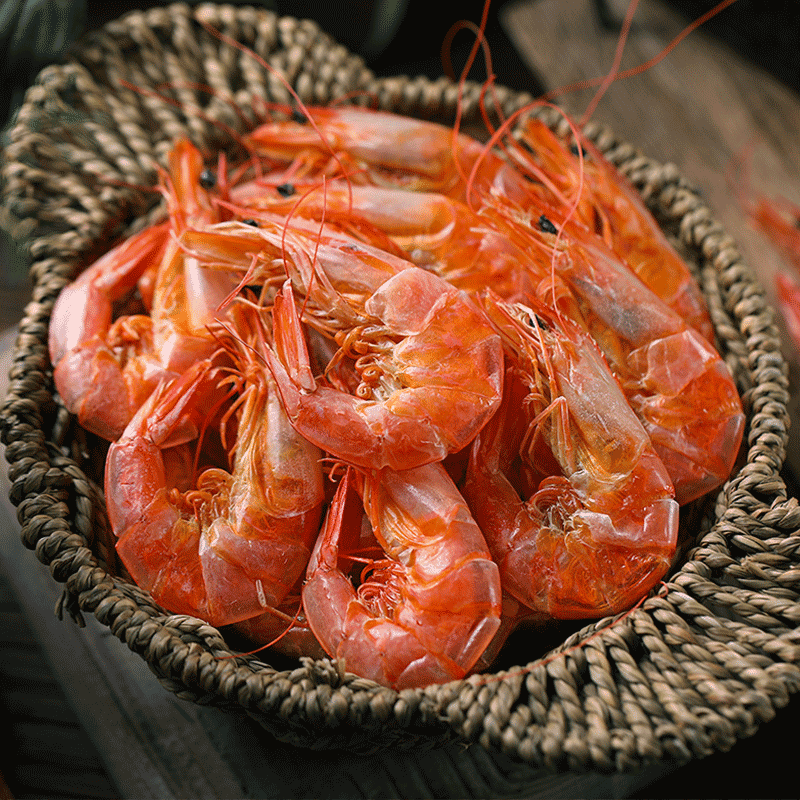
(719, 610)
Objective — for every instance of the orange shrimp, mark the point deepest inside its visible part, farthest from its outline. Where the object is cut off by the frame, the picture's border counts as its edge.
(284, 630)
(779, 219)
(385, 149)
(187, 300)
(427, 609)
(610, 206)
(597, 527)
(234, 545)
(430, 368)
(104, 370)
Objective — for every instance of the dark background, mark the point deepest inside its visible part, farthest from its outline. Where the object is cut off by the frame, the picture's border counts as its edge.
(394, 36)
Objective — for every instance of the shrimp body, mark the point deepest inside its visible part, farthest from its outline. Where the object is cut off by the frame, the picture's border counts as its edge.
(234, 543)
(596, 527)
(104, 371)
(431, 376)
(383, 149)
(429, 607)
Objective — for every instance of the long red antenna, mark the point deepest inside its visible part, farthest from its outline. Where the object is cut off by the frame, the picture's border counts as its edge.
(629, 73)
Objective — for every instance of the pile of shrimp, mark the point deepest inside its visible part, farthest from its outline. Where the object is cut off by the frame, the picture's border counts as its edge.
(393, 393)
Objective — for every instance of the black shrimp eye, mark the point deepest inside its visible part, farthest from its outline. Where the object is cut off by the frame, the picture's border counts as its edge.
(208, 180)
(546, 225)
(535, 321)
(299, 116)
(285, 189)
(574, 149)
(250, 222)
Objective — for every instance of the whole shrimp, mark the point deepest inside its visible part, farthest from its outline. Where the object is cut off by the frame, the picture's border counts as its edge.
(425, 611)
(430, 367)
(675, 381)
(384, 149)
(234, 543)
(105, 369)
(575, 504)
(102, 370)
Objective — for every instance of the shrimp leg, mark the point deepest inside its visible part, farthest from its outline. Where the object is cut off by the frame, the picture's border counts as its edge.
(434, 368)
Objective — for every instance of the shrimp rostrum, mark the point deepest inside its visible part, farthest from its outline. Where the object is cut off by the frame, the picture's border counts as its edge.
(576, 506)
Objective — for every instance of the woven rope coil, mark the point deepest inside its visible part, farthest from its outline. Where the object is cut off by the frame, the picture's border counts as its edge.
(703, 661)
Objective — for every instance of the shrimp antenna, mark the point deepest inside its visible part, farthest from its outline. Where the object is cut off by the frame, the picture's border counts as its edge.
(292, 623)
(479, 39)
(609, 79)
(301, 106)
(629, 73)
(491, 79)
(314, 262)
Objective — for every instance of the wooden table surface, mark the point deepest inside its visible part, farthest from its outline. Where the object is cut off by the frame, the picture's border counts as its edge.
(698, 108)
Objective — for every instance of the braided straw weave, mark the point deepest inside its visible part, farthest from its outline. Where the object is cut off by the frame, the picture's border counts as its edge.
(703, 661)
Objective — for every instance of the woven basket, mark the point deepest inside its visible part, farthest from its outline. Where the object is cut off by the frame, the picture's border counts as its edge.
(703, 661)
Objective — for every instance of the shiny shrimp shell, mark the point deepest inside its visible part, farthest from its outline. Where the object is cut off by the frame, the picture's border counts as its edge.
(596, 525)
(428, 605)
